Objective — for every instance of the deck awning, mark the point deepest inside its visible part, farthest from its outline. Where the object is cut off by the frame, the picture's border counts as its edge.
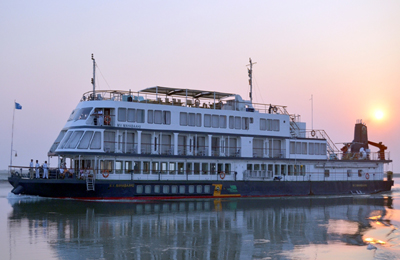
(186, 92)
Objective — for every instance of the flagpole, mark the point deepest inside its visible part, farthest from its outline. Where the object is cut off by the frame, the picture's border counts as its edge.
(12, 135)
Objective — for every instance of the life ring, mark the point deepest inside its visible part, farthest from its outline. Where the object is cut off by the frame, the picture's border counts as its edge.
(106, 173)
(275, 109)
(222, 175)
(107, 120)
(313, 133)
(367, 176)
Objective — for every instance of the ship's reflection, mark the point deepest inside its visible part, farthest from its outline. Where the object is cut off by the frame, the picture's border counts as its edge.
(201, 229)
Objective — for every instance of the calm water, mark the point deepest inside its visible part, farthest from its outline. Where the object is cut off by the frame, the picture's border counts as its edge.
(289, 228)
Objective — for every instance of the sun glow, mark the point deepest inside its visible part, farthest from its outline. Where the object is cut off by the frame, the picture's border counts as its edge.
(379, 114)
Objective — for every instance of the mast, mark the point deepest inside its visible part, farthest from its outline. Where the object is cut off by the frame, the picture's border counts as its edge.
(250, 72)
(94, 77)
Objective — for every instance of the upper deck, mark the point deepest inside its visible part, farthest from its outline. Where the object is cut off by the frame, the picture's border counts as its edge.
(187, 98)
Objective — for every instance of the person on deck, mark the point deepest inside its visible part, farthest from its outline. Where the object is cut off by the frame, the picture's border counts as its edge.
(31, 169)
(45, 170)
(37, 166)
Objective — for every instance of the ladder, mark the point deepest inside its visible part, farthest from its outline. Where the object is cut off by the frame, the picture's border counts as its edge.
(90, 181)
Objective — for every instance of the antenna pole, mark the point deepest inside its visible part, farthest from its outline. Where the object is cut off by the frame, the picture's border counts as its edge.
(250, 72)
(12, 135)
(312, 113)
(94, 77)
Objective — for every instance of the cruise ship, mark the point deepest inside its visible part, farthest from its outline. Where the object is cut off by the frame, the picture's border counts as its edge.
(174, 143)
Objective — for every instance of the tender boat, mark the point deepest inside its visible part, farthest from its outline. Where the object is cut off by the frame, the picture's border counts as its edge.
(173, 143)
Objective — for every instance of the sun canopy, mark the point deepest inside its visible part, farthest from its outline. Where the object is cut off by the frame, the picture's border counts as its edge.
(186, 92)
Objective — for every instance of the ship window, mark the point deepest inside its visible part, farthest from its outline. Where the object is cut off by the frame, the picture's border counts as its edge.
(155, 168)
(220, 167)
(263, 124)
(198, 120)
(298, 147)
(150, 116)
(139, 189)
(204, 168)
(84, 143)
(146, 167)
(199, 189)
(360, 173)
(166, 117)
(131, 115)
(290, 170)
(165, 189)
(107, 165)
(322, 149)
(122, 114)
(57, 141)
(140, 116)
(222, 121)
(180, 167)
(73, 141)
(164, 167)
(275, 125)
(158, 117)
(292, 147)
(231, 122)
(269, 125)
(256, 167)
(213, 168)
(326, 173)
(238, 124)
(147, 189)
(188, 168)
(174, 189)
(182, 189)
(207, 120)
(183, 119)
(311, 148)
(304, 148)
(245, 123)
(196, 168)
(207, 189)
(66, 138)
(227, 168)
(109, 141)
(118, 167)
(171, 168)
(156, 188)
(348, 173)
(191, 188)
(191, 119)
(215, 121)
(316, 148)
(84, 113)
(136, 167)
(283, 169)
(128, 167)
(96, 141)
(73, 114)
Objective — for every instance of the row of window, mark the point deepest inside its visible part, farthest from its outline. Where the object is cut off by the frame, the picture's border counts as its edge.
(214, 121)
(147, 167)
(269, 124)
(279, 169)
(131, 115)
(173, 189)
(312, 148)
(81, 140)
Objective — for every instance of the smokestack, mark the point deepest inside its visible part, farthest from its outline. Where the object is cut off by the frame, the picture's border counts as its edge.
(360, 137)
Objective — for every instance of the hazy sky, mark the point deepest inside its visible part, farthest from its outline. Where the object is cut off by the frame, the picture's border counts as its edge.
(344, 53)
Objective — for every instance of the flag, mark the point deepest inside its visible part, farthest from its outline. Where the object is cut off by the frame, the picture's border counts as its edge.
(17, 106)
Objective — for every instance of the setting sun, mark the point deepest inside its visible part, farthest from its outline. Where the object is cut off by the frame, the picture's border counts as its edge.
(379, 114)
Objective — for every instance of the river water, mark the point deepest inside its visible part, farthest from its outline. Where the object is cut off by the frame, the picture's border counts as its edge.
(260, 228)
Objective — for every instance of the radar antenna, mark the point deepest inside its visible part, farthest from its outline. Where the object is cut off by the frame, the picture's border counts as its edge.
(250, 71)
(94, 77)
